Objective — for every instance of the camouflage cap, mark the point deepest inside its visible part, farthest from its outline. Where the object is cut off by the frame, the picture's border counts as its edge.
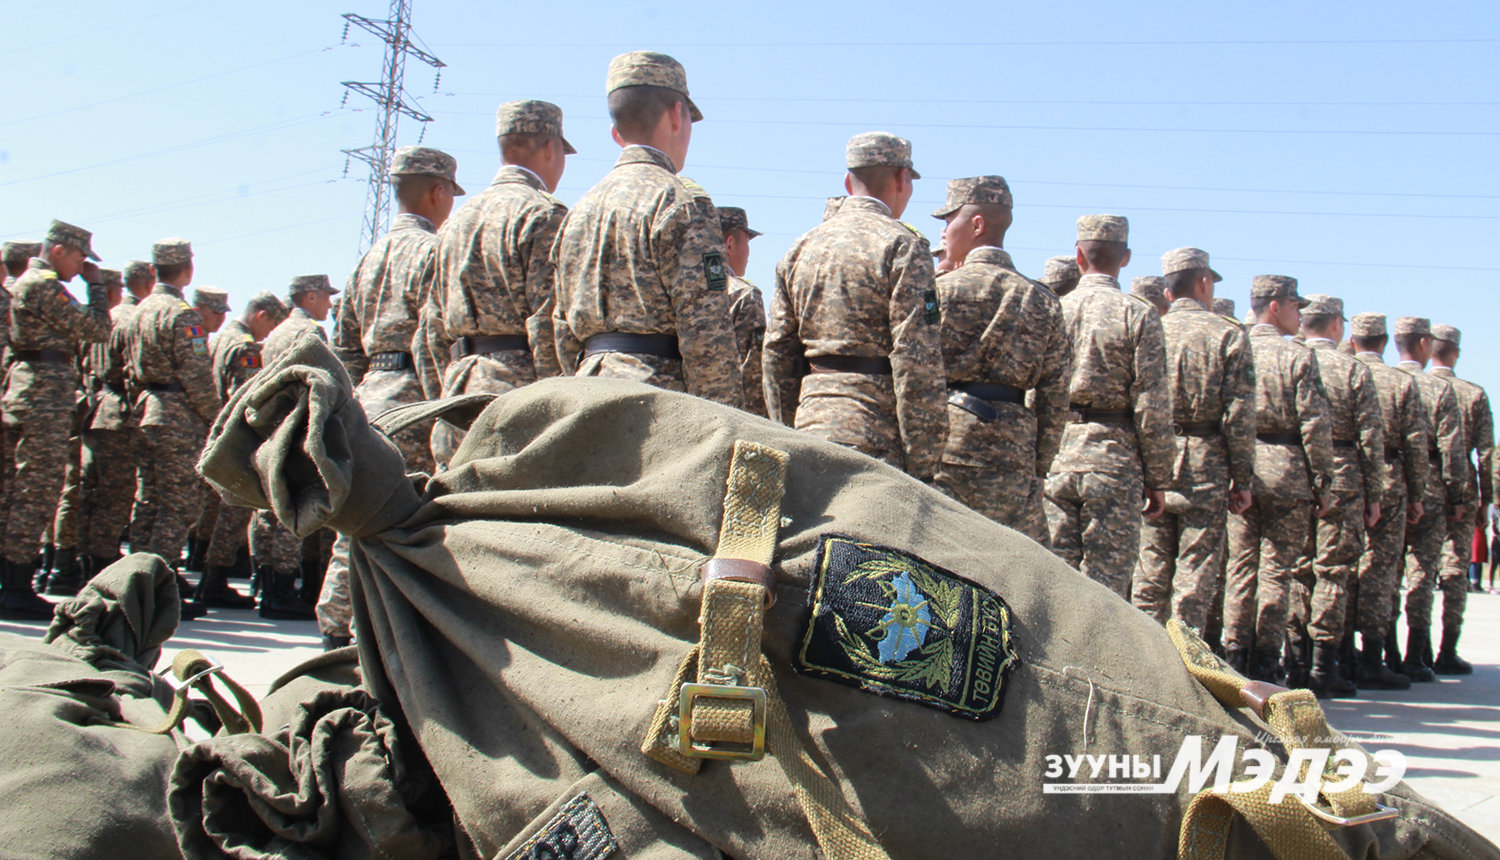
(172, 252)
(311, 284)
(1060, 270)
(531, 116)
(1446, 333)
(879, 149)
(110, 278)
(1183, 259)
(426, 161)
(975, 189)
(650, 69)
(1367, 325)
(211, 298)
(734, 218)
(1224, 307)
(1419, 326)
(137, 270)
(63, 233)
(1152, 288)
(1275, 287)
(20, 252)
(1320, 304)
(267, 301)
(1103, 228)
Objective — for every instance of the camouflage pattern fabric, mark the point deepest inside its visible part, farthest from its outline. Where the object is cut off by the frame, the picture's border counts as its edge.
(1453, 577)
(236, 357)
(747, 316)
(271, 543)
(860, 284)
(1095, 520)
(1449, 485)
(640, 254)
(1479, 433)
(334, 612)
(1000, 327)
(70, 501)
(108, 461)
(1266, 546)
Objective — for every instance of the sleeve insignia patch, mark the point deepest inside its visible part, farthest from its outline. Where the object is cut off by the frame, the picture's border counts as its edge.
(578, 832)
(931, 308)
(200, 346)
(891, 624)
(250, 360)
(715, 271)
(193, 331)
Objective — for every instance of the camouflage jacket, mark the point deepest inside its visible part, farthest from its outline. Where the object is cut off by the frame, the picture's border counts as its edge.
(639, 254)
(236, 357)
(1479, 427)
(1408, 433)
(1448, 449)
(495, 268)
(747, 314)
(1119, 363)
(106, 364)
(1356, 422)
(384, 294)
(166, 343)
(861, 284)
(5, 313)
(44, 315)
(1289, 400)
(297, 323)
(1001, 327)
(1211, 378)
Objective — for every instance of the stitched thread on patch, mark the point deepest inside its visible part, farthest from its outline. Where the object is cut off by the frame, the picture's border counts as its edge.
(577, 832)
(894, 625)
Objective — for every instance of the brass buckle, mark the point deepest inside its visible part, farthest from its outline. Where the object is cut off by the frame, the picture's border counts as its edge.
(1381, 813)
(214, 668)
(690, 695)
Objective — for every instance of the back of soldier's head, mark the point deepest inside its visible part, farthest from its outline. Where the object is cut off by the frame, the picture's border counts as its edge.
(636, 111)
(266, 302)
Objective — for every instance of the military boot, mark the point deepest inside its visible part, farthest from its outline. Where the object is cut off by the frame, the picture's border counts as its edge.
(1392, 649)
(334, 643)
(1413, 666)
(1373, 673)
(1238, 660)
(1324, 680)
(278, 598)
(214, 591)
(67, 579)
(1266, 666)
(1296, 661)
(43, 573)
(1448, 662)
(18, 600)
(1348, 658)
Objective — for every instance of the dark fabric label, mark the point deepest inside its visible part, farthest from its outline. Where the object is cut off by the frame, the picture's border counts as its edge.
(930, 306)
(891, 624)
(714, 271)
(577, 832)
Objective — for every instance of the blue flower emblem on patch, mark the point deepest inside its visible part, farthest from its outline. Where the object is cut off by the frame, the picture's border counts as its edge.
(904, 626)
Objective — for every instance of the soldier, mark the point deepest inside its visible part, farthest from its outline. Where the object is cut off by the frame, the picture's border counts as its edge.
(1479, 434)
(747, 307)
(46, 326)
(1119, 445)
(1060, 275)
(1152, 290)
(853, 348)
(1449, 488)
(1375, 591)
(1225, 308)
(1002, 337)
(1211, 379)
(1293, 471)
(641, 280)
(15, 256)
(1319, 595)
(212, 304)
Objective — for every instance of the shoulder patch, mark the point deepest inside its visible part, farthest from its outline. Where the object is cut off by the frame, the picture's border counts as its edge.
(250, 360)
(193, 330)
(577, 832)
(714, 271)
(930, 307)
(891, 624)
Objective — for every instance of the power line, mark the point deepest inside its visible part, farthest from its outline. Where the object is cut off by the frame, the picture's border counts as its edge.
(1029, 102)
(1101, 43)
(72, 38)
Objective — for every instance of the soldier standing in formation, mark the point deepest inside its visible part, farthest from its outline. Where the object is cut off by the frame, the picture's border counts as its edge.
(1211, 380)
(1293, 470)
(1152, 290)
(747, 307)
(1002, 337)
(853, 350)
(1060, 275)
(1119, 446)
(16, 256)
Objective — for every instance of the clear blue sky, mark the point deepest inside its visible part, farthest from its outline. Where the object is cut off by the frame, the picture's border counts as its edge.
(1350, 146)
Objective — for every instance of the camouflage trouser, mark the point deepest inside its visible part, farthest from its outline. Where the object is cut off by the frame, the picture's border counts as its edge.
(41, 457)
(143, 515)
(176, 489)
(1095, 520)
(109, 485)
(1372, 602)
(208, 514)
(1010, 498)
(1453, 581)
(70, 501)
(1265, 545)
(273, 545)
(229, 533)
(1320, 589)
(7, 475)
(333, 609)
(856, 410)
(1182, 561)
(1424, 559)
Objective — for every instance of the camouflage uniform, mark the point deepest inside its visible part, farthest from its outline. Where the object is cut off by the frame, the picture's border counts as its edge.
(13, 253)
(1293, 468)
(1120, 442)
(1225, 308)
(1152, 290)
(1211, 379)
(747, 316)
(108, 465)
(236, 357)
(1479, 435)
(1060, 275)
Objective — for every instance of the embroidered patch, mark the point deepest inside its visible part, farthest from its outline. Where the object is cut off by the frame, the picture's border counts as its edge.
(250, 360)
(930, 306)
(894, 625)
(577, 832)
(713, 269)
(194, 331)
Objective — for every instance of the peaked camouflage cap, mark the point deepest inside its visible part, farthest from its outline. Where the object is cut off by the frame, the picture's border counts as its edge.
(650, 69)
(311, 284)
(172, 252)
(110, 278)
(63, 233)
(734, 218)
(531, 116)
(1276, 287)
(1446, 333)
(1152, 288)
(1224, 307)
(1184, 259)
(1419, 326)
(1321, 304)
(20, 252)
(975, 189)
(1060, 270)
(879, 149)
(136, 270)
(211, 298)
(1103, 228)
(426, 161)
(1367, 324)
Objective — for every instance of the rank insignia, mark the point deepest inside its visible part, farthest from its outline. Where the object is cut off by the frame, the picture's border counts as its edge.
(891, 624)
(713, 269)
(931, 308)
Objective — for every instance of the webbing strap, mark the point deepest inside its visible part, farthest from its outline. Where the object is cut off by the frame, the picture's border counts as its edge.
(194, 671)
(1289, 828)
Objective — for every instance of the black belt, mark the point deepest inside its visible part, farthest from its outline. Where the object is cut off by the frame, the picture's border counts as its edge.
(390, 361)
(659, 345)
(116, 387)
(1280, 438)
(848, 364)
(975, 406)
(1393, 455)
(1197, 428)
(487, 343)
(1102, 416)
(56, 356)
(1344, 443)
(164, 386)
(995, 392)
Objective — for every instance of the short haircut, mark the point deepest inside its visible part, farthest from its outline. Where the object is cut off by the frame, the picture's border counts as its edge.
(876, 177)
(1103, 254)
(267, 303)
(1181, 283)
(1369, 343)
(1408, 342)
(636, 110)
(1258, 304)
(521, 145)
(1317, 322)
(1444, 349)
(140, 276)
(412, 187)
(168, 271)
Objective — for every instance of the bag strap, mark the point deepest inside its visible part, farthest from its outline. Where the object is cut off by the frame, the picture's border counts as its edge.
(192, 671)
(461, 410)
(733, 710)
(1290, 830)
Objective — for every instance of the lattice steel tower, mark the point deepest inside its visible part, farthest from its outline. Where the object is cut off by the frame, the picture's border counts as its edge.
(391, 101)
